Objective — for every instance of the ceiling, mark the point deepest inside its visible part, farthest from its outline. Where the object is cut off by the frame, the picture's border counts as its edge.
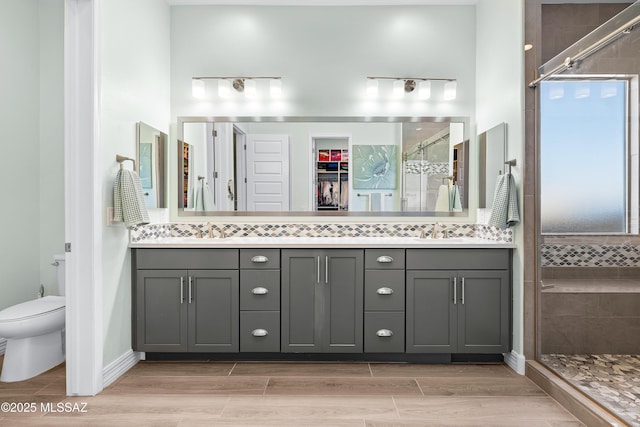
(320, 2)
(357, 2)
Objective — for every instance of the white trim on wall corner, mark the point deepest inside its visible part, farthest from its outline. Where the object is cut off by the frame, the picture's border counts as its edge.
(118, 367)
(3, 345)
(515, 361)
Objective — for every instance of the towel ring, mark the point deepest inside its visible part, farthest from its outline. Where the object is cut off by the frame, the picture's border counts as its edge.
(121, 159)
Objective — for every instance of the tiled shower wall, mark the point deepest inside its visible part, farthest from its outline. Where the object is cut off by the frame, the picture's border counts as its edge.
(596, 317)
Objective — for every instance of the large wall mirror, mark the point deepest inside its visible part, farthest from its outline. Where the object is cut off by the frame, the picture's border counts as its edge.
(151, 148)
(323, 166)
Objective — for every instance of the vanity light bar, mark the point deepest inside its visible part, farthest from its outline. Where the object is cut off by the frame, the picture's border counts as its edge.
(402, 85)
(243, 84)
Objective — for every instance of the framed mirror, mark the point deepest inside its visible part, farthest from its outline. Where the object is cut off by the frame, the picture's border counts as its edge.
(323, 166)
(151, 148)
(492, 148)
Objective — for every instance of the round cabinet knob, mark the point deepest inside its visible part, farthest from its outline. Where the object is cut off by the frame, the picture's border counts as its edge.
(260, 291)
(384, 259)
(384, 291)
(259, 333)
(259, 259)
(384, 333)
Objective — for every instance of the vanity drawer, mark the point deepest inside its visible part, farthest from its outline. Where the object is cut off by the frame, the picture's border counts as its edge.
(259, 289)
(384, 259)
(260, 331)
(458, 259)
(384, 290)
(260, 258)
(187, 258)
(384, 332)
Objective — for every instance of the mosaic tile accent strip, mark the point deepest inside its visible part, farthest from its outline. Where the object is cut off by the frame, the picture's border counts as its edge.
(155, 231)
(489, 232)
(416, 167)
(590, 255)
(150, 231)
(613, 380)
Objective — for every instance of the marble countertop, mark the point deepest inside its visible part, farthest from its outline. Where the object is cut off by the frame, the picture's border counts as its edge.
(319, 242)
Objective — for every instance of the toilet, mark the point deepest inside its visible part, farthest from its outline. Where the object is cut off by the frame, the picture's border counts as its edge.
(34, 331)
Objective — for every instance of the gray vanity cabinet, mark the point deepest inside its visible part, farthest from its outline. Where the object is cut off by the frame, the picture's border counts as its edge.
(322, 301)
(186, 310)
(160, 320)
(260, 300)
(384, 301)
(458, 301)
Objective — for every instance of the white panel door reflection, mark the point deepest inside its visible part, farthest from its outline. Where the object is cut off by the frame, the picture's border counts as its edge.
(268, 172)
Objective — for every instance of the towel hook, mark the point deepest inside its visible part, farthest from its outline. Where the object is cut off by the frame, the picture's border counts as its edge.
(511, 162)
(121, 159)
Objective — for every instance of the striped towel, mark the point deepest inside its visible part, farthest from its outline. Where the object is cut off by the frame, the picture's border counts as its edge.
(505, 203)
(128, 200)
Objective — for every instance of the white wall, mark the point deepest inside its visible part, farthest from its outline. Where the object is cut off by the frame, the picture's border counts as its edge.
(324, 55)
(135, 87)
(500, 98)
(51, 183)
(31, 127)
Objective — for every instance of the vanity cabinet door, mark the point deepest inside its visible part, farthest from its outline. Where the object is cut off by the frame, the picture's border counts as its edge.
(302, 301)
(484, 311)
(160, 311)
(432, 318)
(322, 300)
(466, 311)
(343, 289)
(214, 310)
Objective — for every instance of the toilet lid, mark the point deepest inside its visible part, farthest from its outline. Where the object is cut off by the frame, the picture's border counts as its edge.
(36, 307)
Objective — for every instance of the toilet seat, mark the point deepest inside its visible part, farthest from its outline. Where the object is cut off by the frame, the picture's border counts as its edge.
(34, 308)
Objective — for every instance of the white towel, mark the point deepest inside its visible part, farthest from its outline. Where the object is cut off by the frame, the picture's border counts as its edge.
(504, 212)
(375, 200)
(128, 200)
(202, 200)
(442, 202)
(455, 205)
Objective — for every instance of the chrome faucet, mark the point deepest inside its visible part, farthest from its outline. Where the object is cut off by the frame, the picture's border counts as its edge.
(198, 233)
(210, 232)
(222, 234)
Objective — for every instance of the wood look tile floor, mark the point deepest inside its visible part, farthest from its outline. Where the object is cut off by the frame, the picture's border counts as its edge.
(184, 394)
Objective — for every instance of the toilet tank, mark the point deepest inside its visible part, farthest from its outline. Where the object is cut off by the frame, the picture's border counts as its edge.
(58, 262)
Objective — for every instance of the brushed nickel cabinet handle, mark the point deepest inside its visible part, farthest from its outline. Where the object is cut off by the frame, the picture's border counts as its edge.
(384, 333)
(190, 282)
(259, 333)
(384, 259)
(463, 290)
(260, 259)
(318, 281)
(182, 290)
(455, 290)
(260, 291)
(384, 291)
(326, 269)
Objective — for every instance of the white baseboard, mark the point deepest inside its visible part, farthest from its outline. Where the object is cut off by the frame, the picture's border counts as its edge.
(515, 361)
(3, 345)
(118, 367)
